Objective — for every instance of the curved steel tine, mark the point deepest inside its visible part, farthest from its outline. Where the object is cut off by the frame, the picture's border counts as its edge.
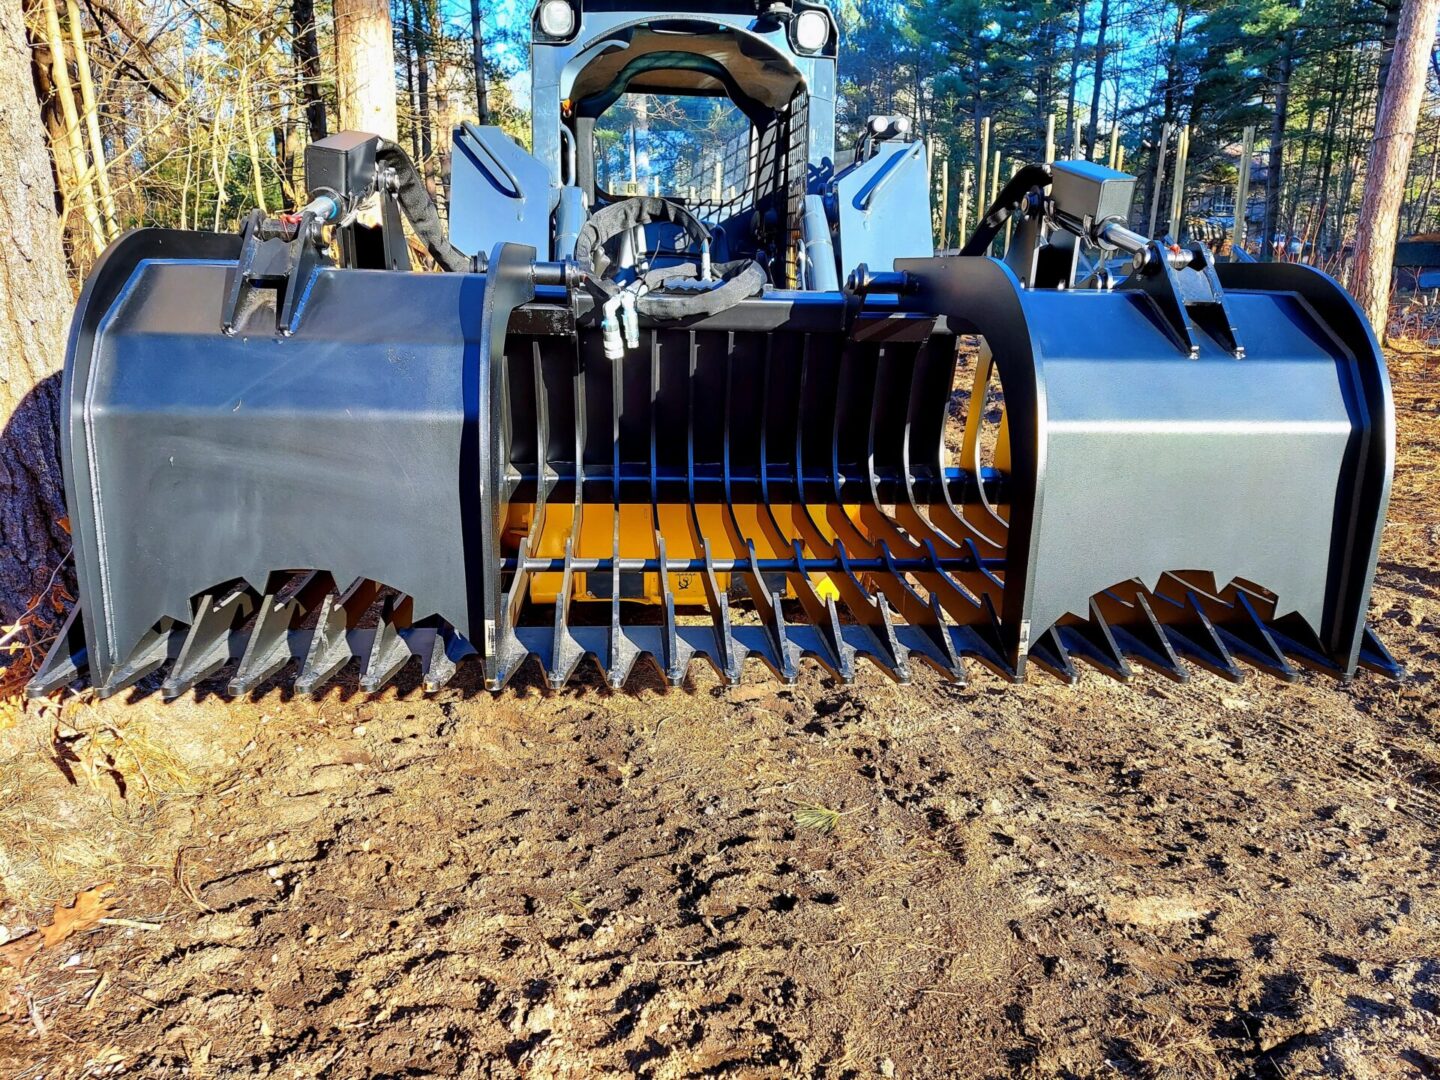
(565, 654)
(389, 650)
(207, 643)
(840, 656)
(998, 528)
(768, 607)
(676, 659)
(908, 513)
(723, 657)
(149, 654)
(873, 613)
(65, 661)
(696, 533)
(268, 649)
(510, 653)
(1374, 656)
(1048, 650)
(727, 663)
(330, 647)
(622, 651)
(810, 529)
(1135, 630)
(439, 666)
(1095, 642)
(953, 515)
(654, 422)
(328, 651)
(544, 481)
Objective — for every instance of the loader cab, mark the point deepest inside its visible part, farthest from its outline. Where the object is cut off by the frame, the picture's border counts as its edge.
(726, 107)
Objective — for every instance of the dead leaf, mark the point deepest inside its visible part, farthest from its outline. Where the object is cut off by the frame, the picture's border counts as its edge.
(88, 908)
(64, 523)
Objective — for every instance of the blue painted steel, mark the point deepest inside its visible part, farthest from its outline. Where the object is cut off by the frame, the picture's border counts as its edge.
(883, 206)
(498, 192)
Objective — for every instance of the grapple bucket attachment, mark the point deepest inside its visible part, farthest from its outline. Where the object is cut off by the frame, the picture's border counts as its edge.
(435, 467)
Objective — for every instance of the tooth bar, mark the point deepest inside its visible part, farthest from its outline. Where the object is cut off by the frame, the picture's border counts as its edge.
(1167, 631)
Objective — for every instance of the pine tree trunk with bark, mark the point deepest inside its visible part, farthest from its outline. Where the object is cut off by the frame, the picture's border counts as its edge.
(307, 60)
(35, 305)
(1100, 31)
(1389, 161)
(1274, 172)
(365, 45)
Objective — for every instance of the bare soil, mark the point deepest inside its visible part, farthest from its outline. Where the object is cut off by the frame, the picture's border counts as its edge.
(1142, 880)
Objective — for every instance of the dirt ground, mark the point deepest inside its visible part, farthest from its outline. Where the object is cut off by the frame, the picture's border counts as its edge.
(933, 881)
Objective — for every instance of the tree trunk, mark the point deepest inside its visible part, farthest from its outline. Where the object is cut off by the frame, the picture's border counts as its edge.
(477, 49)
(1276, 163)
(365, 48)
(307, 60)
(1075, 55)
(1389, 27)
(1340, 91)
(420, 28)
(1296, 188)
(35, 303)
(1389, 162)
(1100, 29)
(407, 38)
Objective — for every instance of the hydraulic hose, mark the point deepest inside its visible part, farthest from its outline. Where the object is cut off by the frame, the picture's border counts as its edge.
(419, 208)
(659, 299)
(1010, 199)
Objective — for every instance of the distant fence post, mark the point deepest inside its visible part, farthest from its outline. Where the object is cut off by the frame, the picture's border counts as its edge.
(964, 231)
(1177, 203)
(1159, 189)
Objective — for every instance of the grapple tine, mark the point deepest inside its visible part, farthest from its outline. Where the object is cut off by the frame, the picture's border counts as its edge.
(268, 648)
(65, 661)
(873, 614)
(1138, 634)
(207, 643)
(675, 661)
(1094, 641)
(1048, 650)
(1249, 638)
(149, 655)
(439, 664)
(565, 653)
(1194, 636)
(718, 600)
(782, 654)
(840, 657)
(329, 650)
(389, 650)
(1374, 656)
(510, 652)
(939, 650)
(1300, 643)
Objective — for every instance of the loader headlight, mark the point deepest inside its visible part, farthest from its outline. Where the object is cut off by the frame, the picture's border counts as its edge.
(557, 18)
(811, 30)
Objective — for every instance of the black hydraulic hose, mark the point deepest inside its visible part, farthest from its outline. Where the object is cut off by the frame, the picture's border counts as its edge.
(419, 208)
(1010, 199)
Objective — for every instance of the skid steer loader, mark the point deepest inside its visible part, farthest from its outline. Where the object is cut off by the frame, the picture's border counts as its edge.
(624, 423)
